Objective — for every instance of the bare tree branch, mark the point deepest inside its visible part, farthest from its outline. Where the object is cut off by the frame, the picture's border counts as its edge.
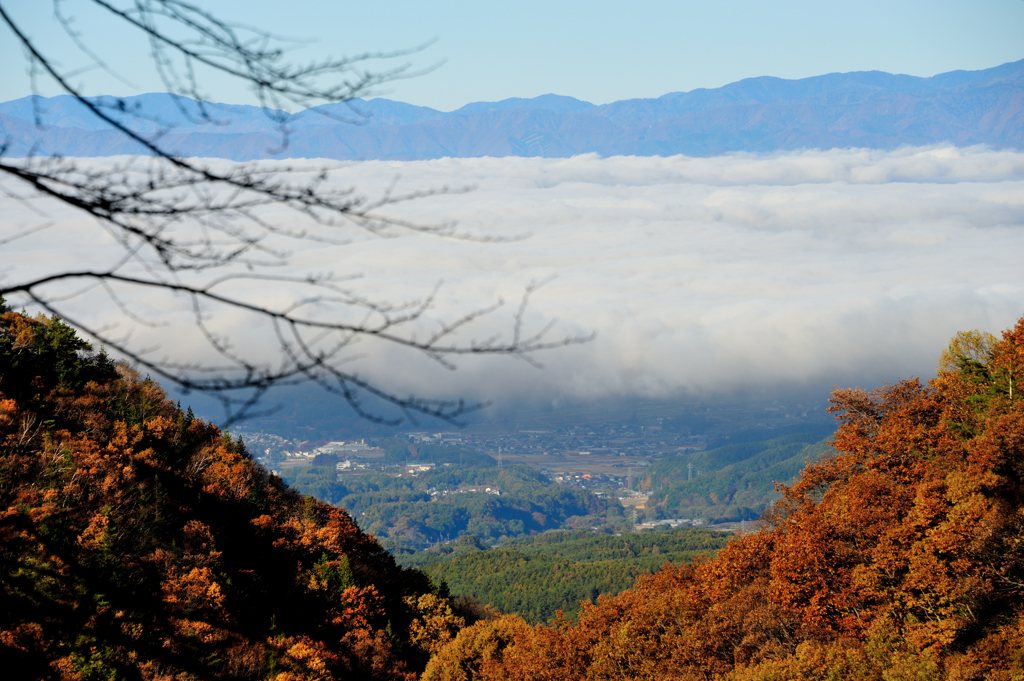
(195, 228)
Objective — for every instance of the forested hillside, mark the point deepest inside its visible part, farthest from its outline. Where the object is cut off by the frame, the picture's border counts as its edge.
(137, 541)
(536, 576)
(411, 512)
(899, 557)
(734, 482)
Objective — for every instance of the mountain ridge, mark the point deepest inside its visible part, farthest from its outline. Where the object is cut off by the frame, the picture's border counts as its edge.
(871, 109)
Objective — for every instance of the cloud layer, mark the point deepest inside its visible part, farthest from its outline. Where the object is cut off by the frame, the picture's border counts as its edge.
(810, 268)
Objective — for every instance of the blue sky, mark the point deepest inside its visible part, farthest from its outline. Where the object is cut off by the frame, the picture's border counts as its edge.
(600, 50)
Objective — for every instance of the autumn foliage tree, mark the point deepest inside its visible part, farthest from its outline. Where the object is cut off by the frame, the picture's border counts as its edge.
(899, 557)
(137, 541)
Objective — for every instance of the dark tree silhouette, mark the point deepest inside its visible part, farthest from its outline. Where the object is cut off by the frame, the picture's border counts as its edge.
(198, 229)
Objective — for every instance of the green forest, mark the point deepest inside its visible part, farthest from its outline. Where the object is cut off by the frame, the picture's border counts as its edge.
(733, 482)
(411, 512)
(536, 576)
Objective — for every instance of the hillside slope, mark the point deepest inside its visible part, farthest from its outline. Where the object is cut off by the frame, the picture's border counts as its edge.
(900, 557)
(734, 482)
(412, 512)
(137, 541)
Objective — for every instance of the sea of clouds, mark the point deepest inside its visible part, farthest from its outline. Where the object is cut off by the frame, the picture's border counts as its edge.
(695, 274)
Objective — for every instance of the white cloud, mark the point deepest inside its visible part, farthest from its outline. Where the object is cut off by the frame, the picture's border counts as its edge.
(815, 267)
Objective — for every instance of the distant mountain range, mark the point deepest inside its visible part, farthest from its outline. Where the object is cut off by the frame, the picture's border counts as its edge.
(868, 109)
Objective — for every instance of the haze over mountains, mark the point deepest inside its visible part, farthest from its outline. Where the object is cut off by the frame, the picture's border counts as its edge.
(863, 109)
